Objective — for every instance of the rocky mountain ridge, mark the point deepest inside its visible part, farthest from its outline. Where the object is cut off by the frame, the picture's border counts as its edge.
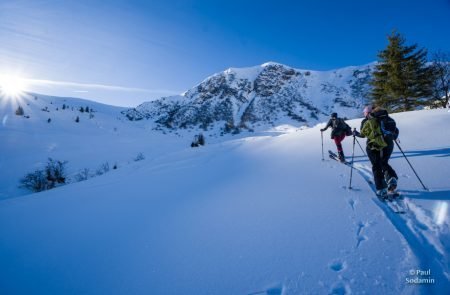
(261, 97)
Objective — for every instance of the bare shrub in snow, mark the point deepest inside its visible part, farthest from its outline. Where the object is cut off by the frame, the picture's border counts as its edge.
(48, 178)
(102, 169)
(82, 175)
(139, 157)
(55, 172)
(35, 181)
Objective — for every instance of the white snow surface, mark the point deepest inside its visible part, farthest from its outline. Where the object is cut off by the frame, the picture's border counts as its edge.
(256, 214)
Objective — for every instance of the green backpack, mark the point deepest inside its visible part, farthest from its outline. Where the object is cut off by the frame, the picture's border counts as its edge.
(372, 130)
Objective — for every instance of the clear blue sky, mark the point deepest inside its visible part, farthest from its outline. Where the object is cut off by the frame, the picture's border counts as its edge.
(147, 49)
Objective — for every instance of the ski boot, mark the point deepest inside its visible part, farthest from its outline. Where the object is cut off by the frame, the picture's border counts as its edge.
(341, 156)
(382, 194)
(392, 184)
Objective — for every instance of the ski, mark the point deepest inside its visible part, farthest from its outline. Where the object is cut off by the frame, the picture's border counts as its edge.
(398, 200)
(335, 157)
(393, 201)
(394, 206)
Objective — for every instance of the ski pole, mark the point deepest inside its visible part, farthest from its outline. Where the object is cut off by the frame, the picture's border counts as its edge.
(424, 187)
(321, 136)
(351, 168)
(361, 148)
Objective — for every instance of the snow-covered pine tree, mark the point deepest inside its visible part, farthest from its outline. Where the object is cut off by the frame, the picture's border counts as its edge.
(402, 80)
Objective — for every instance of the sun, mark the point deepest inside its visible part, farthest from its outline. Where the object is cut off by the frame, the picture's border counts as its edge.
(12, 86)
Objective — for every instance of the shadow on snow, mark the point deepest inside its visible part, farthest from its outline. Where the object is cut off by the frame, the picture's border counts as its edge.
(442, 152)
(442, 195)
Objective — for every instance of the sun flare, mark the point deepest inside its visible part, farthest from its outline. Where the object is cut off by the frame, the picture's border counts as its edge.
(12, 86)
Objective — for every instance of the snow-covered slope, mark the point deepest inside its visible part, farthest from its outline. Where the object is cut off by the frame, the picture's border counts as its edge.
(255, 215)
(101, 136)
(260, 97)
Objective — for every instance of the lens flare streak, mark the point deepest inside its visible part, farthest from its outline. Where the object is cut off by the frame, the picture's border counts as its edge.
(440, 213)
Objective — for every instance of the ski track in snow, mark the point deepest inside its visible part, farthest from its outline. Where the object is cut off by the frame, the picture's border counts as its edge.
(413, 225)
(428, 252)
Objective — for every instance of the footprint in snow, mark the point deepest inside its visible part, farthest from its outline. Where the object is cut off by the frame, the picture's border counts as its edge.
(337, 265)
(340, 288)
(361, 225)
(351, 202)
(278, 290)
(274, 291)
(359, 240)
(359, 237)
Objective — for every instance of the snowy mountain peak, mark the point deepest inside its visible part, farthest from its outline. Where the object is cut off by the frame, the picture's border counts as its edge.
(273, 63)
(260, 97)
(249, 73)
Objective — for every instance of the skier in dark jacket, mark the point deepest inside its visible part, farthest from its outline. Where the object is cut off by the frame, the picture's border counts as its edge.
(379, 149)
(339, 130)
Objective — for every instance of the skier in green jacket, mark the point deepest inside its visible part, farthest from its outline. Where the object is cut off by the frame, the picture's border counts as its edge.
(377, 150)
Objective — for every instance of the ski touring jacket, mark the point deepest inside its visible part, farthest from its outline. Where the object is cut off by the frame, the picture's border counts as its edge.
(338, 127)
(372, 131)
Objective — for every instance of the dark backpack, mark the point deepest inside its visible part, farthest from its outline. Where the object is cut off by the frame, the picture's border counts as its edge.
(342, 127)
(387, 125)
(348, 130)
(345, 127)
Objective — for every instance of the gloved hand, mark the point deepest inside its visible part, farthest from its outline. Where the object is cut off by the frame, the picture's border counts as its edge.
(322, 130)
(355, 133)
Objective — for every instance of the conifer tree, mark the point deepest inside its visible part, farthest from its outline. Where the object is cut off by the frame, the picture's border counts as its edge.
(19, 111)
(402, 80)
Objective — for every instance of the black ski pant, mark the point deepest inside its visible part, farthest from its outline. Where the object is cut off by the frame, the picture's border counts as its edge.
(375, 158)
(385, 156)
